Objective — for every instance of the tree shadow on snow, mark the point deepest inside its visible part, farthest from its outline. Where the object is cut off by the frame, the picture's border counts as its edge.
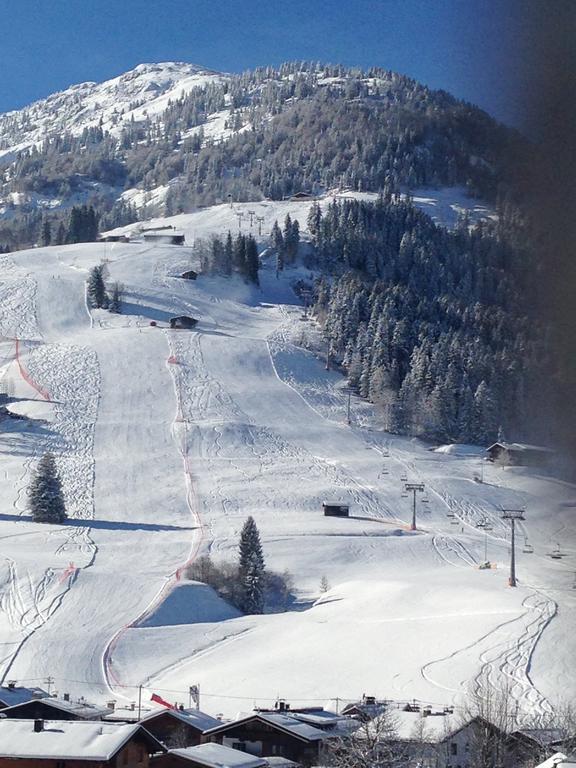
(111, 525)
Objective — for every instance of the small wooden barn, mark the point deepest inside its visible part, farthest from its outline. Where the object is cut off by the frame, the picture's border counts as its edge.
(335, 509)
(190, 274)
(183, 322)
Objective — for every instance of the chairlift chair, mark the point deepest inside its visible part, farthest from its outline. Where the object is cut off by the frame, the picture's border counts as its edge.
(404, 494)
(404, 478)
(556, 554)
(425, 501)
(450, 514)
(528, 549)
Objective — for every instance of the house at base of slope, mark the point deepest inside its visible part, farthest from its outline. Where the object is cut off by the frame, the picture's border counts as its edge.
(559, 760)
(190, 274)
(13, 694)
(208, 756)
(364, 710)
(61, 744)
(55, 709)
(272, 734)
(520, 454)
(179, 727)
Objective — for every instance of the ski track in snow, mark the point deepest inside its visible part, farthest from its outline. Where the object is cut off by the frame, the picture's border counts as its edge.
(68, 376)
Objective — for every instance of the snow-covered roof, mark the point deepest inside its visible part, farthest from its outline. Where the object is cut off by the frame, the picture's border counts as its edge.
(285, 723)
(543, 736)
(80, 709)
(560, 760)
(521, 447)
(65, 739)
(18, 695)
(193, 717)
(219, 756)
(275, 761)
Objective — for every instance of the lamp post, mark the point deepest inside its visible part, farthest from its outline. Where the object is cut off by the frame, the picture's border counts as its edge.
(513, 515)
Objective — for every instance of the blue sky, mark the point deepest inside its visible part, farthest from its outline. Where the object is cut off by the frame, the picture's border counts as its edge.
(458, 45)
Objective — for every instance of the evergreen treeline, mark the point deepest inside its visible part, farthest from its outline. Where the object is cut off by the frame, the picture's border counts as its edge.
(429, 323)
(237, 255)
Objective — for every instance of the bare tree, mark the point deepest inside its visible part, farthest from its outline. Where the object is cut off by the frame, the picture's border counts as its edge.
(374, 744)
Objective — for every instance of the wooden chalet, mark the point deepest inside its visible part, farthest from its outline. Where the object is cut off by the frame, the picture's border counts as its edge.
(55, 709)
(190, 274)
(519, 454)
(183, 322)
(165, 238)
(208, 756)
(272, 734)
(60, 744)
(179, 727)
(301, 197)
(113, 239)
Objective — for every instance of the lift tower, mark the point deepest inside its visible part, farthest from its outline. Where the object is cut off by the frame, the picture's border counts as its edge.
(415, 488)
(513, 515)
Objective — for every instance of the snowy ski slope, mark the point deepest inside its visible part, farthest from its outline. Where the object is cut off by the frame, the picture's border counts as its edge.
(167, 440)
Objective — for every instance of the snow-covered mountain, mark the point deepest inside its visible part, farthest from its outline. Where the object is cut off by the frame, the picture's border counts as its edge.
(165, 138)
(142, 92)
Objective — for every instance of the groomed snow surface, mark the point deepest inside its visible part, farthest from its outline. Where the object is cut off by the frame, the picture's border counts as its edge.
(167, 440)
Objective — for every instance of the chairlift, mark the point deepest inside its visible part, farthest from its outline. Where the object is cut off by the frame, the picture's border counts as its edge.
(404, 479)
(528, 549)
(450, 514)
(454, 522)
(556, 554)
(404, 494)
(425, 501)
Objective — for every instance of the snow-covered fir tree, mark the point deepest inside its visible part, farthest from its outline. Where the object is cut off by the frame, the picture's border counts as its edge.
(96, 288)
(251, 571)
(46, 499)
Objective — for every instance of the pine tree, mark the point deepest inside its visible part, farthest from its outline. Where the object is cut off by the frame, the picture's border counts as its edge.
(252, 260)
(251, 569)
(45, 493)
(46, 232)
(61, 234)
(115, 303)
(96, 289)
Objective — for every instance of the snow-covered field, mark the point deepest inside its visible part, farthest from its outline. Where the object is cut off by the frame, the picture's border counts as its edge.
(168, 440)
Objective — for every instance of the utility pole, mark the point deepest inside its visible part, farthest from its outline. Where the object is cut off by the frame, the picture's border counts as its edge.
(49, 683)
(415, 488)
(513, 515)
(260, 220)
(139, 702)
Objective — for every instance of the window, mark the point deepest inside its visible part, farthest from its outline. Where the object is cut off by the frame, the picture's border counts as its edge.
(453, 748)
(241, 745)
